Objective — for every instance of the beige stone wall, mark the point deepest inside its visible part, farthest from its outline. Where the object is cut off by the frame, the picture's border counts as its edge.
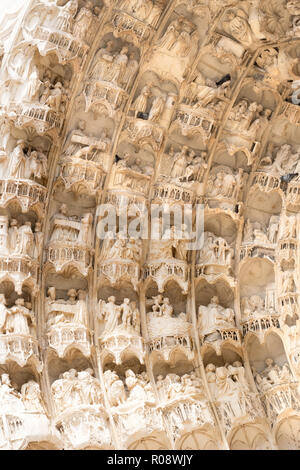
(127, 343)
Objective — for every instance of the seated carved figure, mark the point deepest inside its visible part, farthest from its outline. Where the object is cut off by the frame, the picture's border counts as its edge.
(138, 388)
(284, 161)
(253, 306)
(121, 247)
(81, 145)
(213, 318)
(28, 399)
(226, 184)
(71, 312)
(69, 229)
(74, 388)
(229, 388)
(171, 246)
(174, 387)
(216, 250)
(272, 375)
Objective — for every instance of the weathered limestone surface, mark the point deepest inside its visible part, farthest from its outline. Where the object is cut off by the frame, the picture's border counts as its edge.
(134, 343)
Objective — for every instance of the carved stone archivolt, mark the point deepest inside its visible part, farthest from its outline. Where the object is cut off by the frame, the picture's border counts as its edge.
(123, 325)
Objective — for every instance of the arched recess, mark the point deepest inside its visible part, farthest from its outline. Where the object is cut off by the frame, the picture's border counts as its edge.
(250, 437)
(73, 359)
(204, 291)
(272, 347)
(287, 434)
(271, 202)
(221, 224)
(198, 439)
(257, 278)
(43, 445)
(150, 443)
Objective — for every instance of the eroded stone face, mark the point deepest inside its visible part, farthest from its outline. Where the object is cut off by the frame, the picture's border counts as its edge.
(125, 128)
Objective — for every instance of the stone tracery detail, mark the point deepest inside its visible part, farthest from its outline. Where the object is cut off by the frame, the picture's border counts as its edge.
(110, 343)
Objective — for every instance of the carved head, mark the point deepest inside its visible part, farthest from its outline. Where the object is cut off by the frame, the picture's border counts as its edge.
(82, 124)
(112, 299)
(63, 209)
(237, 364)
(20, 301)
(109, 45)
(215, 300)
(210, 368)
(129, 373)
(269, 362)
(72, 293)
(126, 301)
(72, 373)
(38, 227)
(253, 106)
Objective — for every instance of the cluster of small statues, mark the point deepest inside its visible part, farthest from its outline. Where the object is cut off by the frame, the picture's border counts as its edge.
(186, 166)
(121, 247)
(161, 307)
(18, 319)
(204, 92)
(248, 118)
(72, 311)
(225, 183)
(118, 68)
(177, 39)
(213, 318)
(16, 240)
(135, 164)
(256, 232)
(81, 145)
(119, 317)
(137, 386)
(216, 250)
(147, 11)
(27, 399)
(71, 229)
(74, 388)
(157, 107)
(54, 96)
(255, 307)
(24, 163)
(227, 384)
(284, 162)
(172, 245)
(79, 23)
(272, 375)
(173, 386)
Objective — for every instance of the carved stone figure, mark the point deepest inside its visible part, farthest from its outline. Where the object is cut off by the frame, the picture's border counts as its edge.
(19, 318)
(272, 375)
(213, 318)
